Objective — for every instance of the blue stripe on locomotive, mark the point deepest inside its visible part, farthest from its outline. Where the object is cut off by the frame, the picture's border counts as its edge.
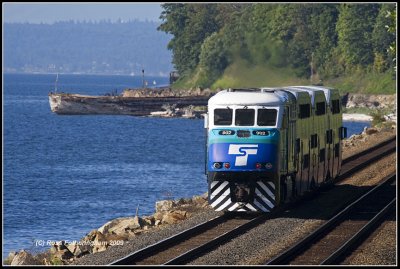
(243, 153)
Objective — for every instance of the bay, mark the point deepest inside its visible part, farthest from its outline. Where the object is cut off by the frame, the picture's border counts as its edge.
(66, 175)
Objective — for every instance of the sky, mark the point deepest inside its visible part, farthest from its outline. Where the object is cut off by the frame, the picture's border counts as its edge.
(52, 12)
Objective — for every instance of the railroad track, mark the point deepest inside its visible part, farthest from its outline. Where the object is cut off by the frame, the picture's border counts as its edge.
(364, 158)
(330, 243)
(182, 247)
(193, 242)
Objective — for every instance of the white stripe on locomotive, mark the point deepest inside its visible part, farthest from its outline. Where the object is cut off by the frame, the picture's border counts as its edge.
(221, 197)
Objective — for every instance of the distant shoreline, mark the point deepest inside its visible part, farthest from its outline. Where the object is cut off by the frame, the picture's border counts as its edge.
(82, 74)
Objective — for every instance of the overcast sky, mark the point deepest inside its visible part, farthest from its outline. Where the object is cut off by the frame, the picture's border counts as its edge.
(52, 12)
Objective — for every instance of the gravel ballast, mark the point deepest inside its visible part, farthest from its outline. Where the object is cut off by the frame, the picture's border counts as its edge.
(117, 252)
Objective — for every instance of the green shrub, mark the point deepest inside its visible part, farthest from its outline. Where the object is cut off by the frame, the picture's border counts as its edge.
(377, 117)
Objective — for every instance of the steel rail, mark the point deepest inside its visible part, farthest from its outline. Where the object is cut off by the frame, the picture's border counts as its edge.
(193, 253)
(303, 245)
(359, 236)
(377, 146)
(352, 164)
(168, 242)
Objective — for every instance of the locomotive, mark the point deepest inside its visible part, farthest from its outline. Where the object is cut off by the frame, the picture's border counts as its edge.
(265, 146)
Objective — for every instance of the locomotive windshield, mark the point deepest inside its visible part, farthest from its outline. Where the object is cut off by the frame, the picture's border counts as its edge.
(223, 116)
(244, 117)
(266, 117)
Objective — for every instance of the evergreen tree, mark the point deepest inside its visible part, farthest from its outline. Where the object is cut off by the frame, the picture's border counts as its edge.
(354, 27)
(190, 24)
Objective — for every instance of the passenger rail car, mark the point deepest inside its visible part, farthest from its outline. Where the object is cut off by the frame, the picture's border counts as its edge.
(267, 145)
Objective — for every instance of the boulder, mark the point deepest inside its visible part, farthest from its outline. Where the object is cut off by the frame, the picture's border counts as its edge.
(24, 258)
(10, 257)
(96, 241)
(87, 241)
(78, 249)
(61, 251)
(58, 246)
(64, 254)
(85, 247)
(46, 261)
(158, 216)
(174, 216)
(120, 225)
(149, 220)
(184, 201)
(370, 131)
(165, 205)
(99, 242)
(199, 200)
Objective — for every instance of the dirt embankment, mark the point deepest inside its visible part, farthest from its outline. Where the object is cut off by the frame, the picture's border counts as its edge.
(369, 100)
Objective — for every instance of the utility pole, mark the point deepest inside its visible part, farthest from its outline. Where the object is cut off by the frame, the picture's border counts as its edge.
(143, 78)
(55, 84)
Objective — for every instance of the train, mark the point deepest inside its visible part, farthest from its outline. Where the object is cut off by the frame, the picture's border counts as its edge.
(267, 146)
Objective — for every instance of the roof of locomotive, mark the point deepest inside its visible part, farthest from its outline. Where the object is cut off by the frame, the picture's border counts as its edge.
(311, 92)
(327, 91)
(264, 96)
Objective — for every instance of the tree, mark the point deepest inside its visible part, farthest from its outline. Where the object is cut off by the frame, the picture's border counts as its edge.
(213, 56)
(323, 20)
(354, 27)
(190, 24)
(382, 38)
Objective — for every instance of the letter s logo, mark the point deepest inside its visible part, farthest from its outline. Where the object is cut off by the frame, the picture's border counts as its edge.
(244, 151)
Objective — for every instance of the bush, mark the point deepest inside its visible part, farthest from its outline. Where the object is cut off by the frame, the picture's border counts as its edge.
(377, 117)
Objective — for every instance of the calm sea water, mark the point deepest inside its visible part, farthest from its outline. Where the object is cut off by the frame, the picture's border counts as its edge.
(66, 175)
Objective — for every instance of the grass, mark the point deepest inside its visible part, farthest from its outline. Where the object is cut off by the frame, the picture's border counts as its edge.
(7, 261)
(366, 83)
(242, 74)
(55, 260)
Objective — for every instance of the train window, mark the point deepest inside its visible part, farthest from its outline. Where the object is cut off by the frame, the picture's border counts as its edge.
(223, 116)
(342, 132)
(337, 150)
(244, 117)
(297, 147)
(322, 155)
(335, 106)
(306, 160)
(320, 108)
(266, 117)
(329, 136)
(314, 141)
(304, 111)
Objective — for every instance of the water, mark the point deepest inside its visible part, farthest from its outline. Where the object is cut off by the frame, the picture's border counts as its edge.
(355, 127)
(66, 175)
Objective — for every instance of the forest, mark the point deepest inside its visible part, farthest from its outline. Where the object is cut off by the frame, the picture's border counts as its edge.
(351, 46)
